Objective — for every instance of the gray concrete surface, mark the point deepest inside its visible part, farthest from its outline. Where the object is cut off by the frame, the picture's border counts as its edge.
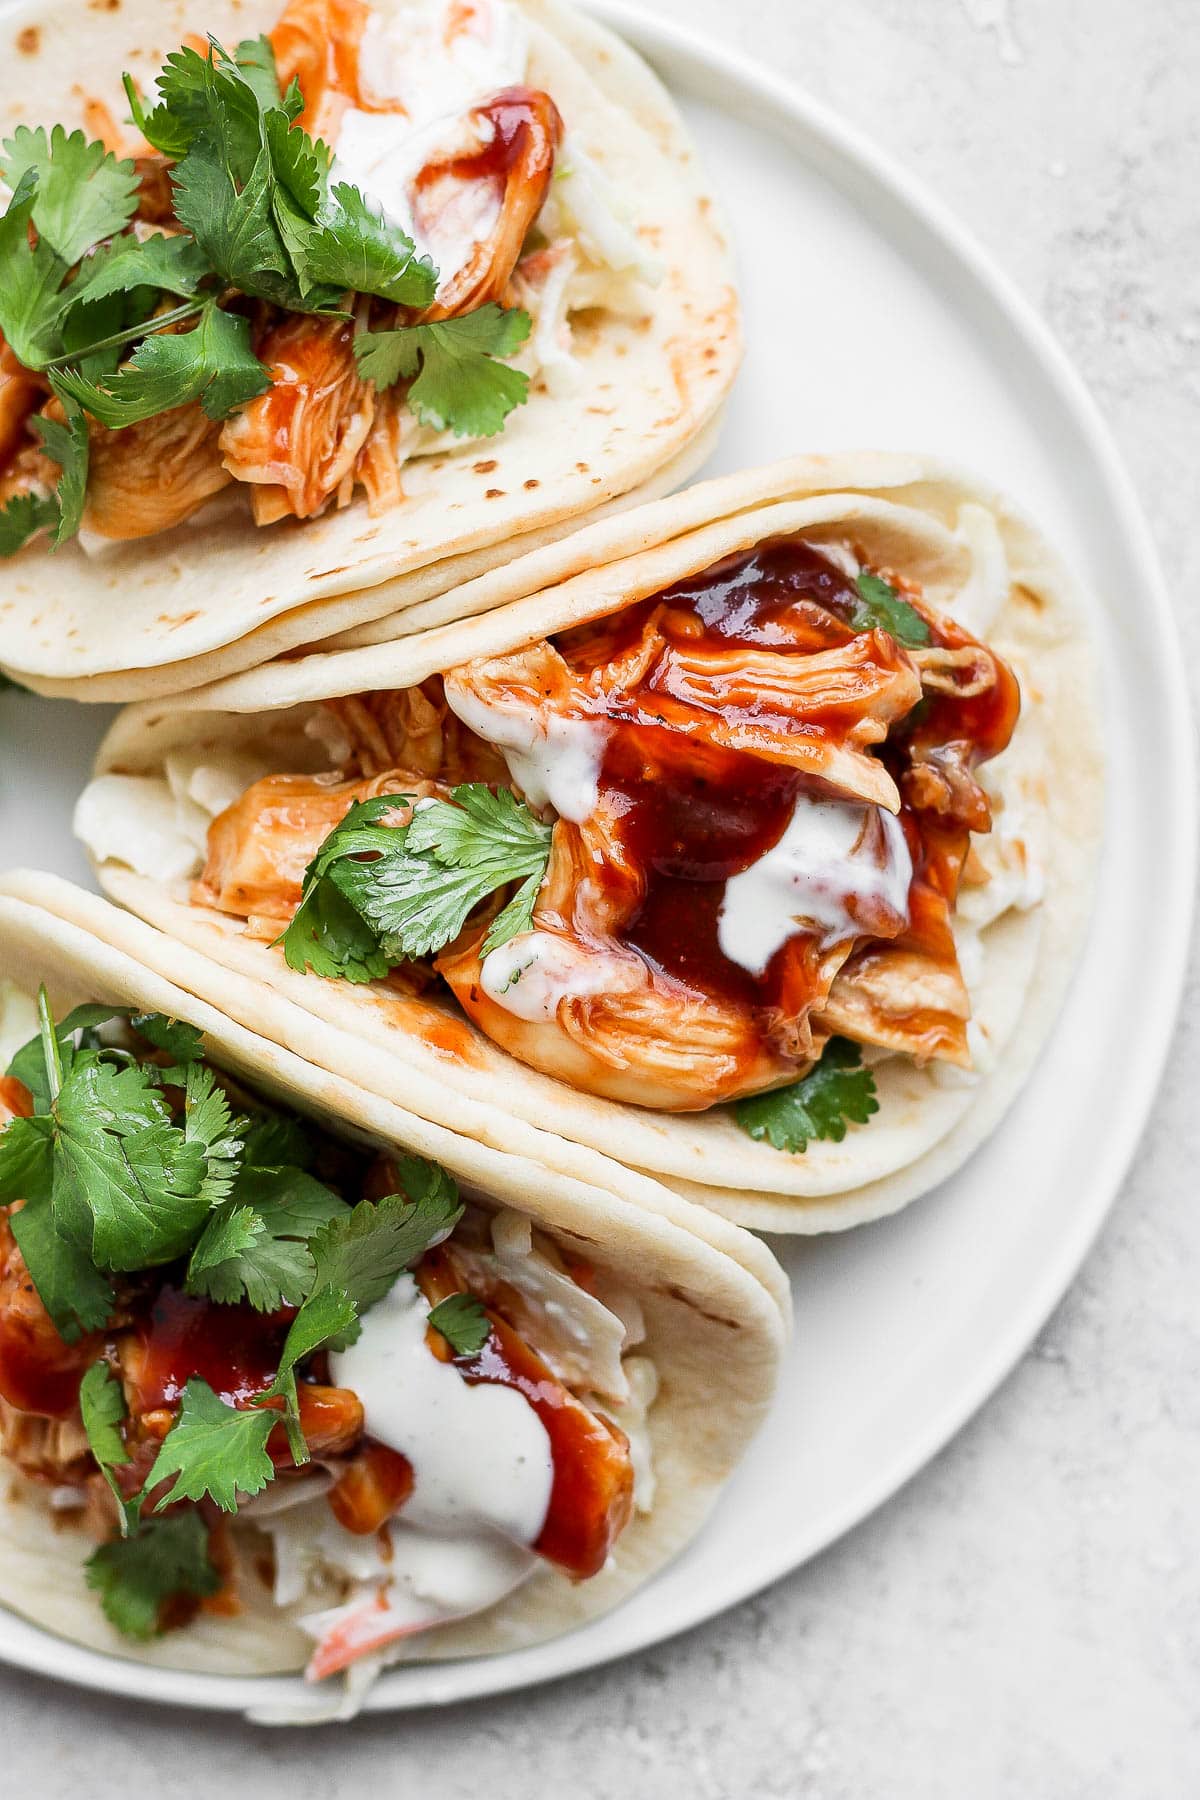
(1024, 1620)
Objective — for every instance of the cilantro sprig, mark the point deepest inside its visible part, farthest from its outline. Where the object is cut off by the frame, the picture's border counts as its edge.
(463, 1323)
(460, 386)
(879, 606)
(135, 1576)
(419, 882)
(837, 1091)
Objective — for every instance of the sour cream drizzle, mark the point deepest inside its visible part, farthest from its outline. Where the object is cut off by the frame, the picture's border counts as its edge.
(554, 761)
(480, 1455)
(823, 872)
(422, 68)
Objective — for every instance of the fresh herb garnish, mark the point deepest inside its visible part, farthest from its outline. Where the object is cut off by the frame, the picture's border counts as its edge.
(102, 1407)
(358, 918)
(836, 1091)
(463, 1323)
(879, 607)
(460, 386)
(135, 1576)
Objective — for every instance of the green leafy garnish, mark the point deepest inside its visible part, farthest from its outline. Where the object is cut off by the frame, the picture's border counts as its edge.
(879, 607)
(67, 445)
(459, 385)
(836, 1091)
(71, 1288)
(212, 362)
(82, 192)
(102, 1407)
(462, 1322)
(423, 880)
(134, 1576)
(127, 1186)
(213, 1449)
(21, 519)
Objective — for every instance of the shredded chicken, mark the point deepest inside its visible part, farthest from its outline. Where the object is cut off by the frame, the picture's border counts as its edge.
(153, 475)
(299, 442)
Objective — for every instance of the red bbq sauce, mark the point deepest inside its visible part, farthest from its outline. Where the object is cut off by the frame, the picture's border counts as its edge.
(233, 1348)
(692, 814)
(591, 1493)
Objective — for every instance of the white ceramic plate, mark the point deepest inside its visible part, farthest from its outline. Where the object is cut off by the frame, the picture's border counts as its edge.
(872, 320)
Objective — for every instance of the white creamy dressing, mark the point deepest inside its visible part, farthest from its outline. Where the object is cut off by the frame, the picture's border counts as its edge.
(432, 62)
(535, 971)
(824, 860)
(480, 1455)
(554, 761)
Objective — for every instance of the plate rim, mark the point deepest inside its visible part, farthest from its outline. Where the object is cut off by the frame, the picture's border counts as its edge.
(813, 125)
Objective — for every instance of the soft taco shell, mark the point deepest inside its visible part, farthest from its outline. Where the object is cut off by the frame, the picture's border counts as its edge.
(715, 1302)
(163, 613)
(976, 558)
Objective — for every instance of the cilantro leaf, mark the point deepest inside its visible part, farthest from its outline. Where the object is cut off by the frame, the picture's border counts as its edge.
(461, 386)
(291, 1202)
(170, 265)
(326, 934)
(354, 247)
(213, 1449)
(70, 1287)
(235, 226)
(429, 876)
(83, 193)
(182, 1042)
(836, 1090)
(329, 937)
(239, 1257)
(30, 278)
(102, 1406)
(880, 607)
(67, 445)
(254, 60)
(212, 363)
(28, 1066)
(129, 1187)
(22, 517)
(134, 1576)
(361, 1254)
(328, 1317)
(462, 1322)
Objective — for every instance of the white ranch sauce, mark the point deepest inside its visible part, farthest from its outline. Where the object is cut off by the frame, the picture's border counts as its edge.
(821, 863)
(410, 57)
(531, 974)
(554, 761)
(480, 1455)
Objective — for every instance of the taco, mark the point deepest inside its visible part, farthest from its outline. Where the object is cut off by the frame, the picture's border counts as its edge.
(365, 297)
(291, 1378)
(757, 855)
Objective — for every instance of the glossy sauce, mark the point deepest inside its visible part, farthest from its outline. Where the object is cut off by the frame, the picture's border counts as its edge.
(695, 815)
(233, 1348)
(591, 1496)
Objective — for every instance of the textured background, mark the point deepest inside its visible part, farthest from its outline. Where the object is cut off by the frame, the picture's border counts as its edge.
(1024, 1620)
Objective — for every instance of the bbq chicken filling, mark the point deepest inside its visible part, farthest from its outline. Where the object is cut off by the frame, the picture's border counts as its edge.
(435, 155)
(757, 794)
(475, 1417)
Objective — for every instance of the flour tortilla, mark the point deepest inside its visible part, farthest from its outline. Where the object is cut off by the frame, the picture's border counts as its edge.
(164, 613)
(976, 557)
(715, 1302)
